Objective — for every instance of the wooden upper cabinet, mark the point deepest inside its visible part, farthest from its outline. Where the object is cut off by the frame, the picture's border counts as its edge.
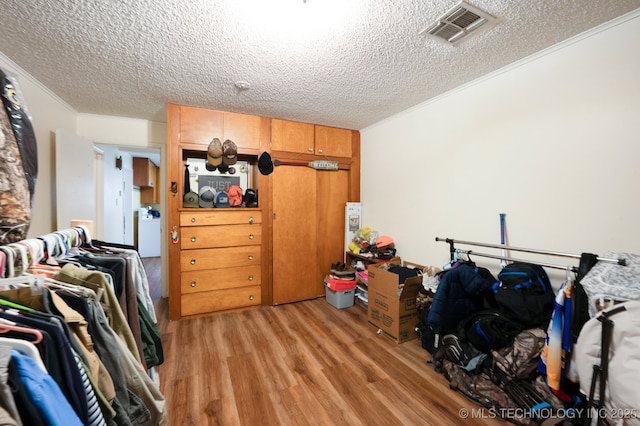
(242, 129)
(145, 173)
(292, 136)
(333, 142)
(306, 138)
(199, 126)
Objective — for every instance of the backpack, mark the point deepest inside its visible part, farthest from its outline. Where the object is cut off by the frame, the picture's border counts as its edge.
(488, 329)
(607, 361)
(524, 293)
(429, 339)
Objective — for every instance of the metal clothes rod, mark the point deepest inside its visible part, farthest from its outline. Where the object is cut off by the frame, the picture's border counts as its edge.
(512, 259)
(451, 241)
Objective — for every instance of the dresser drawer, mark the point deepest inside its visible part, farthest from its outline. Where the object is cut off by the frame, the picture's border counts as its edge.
(218, 279)
(214, 258)
(218, 300)
(220, 236)
(221, 217)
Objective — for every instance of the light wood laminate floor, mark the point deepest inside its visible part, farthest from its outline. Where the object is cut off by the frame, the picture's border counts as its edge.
(304, 363)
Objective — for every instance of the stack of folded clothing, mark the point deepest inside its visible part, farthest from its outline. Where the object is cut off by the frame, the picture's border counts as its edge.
(342, 277)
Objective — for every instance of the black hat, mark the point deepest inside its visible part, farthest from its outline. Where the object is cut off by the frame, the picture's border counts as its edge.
(265, 165)
(250, 198)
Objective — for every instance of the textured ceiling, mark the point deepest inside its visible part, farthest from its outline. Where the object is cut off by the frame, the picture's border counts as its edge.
(344, 63)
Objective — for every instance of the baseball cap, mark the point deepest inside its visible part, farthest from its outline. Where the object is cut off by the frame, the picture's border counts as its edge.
(265, 165)
(235, 195)
(207, 196)
(250, 198)
(214, 152)
(222, 199)
(384, 241)
(190, 199)
(229, 153)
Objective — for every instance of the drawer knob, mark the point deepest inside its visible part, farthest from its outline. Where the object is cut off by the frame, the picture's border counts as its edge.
(251, 297)
(251, 236)
(250, 277)
(193, 261)
(193, 220)
(193, 239)
(250, 257)
(310, 149)
(251, 220)
(320, 151)
(193, 283)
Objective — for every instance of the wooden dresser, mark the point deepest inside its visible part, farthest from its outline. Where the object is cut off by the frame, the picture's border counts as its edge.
(220, 254)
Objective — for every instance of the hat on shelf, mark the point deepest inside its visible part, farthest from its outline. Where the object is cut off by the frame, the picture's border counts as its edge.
(207, 196)
(222, 199)
(229, 153)
(190, 199)
(265, 165)
(235, 195)
(250, 198)
(214, 152)
(384, 241)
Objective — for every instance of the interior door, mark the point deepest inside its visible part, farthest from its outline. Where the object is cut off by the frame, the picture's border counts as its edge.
(332, 195)
(294, 234)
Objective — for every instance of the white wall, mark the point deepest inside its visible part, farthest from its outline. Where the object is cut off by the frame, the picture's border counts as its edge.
(552, 141)
(48, 113)
(122, 131)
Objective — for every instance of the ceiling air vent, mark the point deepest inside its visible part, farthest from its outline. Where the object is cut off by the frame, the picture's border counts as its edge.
(457, 23)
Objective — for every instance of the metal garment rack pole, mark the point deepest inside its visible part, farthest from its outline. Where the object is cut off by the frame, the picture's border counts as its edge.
(513, 259)
(452, 250)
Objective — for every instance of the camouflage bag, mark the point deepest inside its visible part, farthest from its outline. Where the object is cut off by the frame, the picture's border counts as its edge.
(18, 165)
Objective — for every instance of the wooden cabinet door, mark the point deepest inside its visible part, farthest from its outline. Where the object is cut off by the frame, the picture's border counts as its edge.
(292, 136)
(199, 125)
(294, 234)
(333, 142)
(243, 130)
(332, 196)
(144, 172)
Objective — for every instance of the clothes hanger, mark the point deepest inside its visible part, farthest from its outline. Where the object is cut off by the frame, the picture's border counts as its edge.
(24, 257)
(36, 249)
(74, 289)
(37, 281)
(24, 347)
(20, 281)
(6, 327)
(3, 259)
(9, 265)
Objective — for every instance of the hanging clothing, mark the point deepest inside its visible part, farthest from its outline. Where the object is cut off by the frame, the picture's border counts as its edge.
(73, 274)
(61, 365)
(97, 335)
(7, 400)
(41, 392)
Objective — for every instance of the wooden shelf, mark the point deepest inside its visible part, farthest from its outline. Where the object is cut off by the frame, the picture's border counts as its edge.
(351, 255)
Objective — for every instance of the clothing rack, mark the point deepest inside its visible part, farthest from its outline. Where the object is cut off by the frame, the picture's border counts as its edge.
(453, 250)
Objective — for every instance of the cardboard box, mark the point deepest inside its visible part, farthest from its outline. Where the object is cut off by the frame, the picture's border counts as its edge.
(391, 306)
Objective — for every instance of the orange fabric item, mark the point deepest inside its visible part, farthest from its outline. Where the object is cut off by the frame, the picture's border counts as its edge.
(235, 195)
